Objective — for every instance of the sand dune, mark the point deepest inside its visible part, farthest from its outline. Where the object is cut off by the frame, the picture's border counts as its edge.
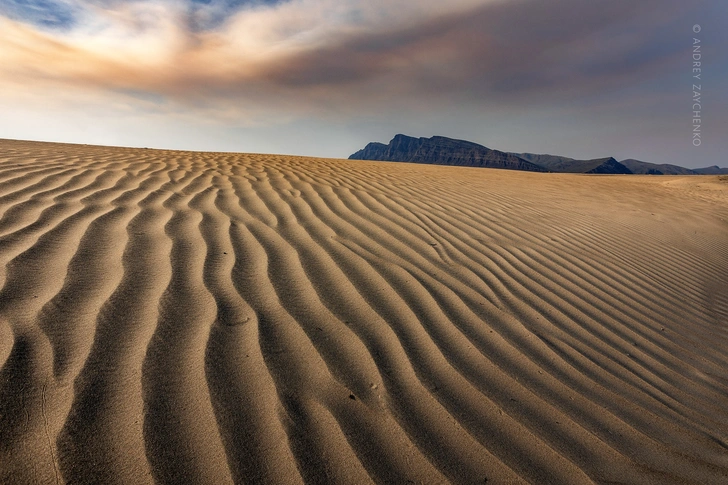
(181, 317)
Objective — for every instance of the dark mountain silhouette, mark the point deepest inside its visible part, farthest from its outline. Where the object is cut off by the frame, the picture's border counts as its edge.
(440, 150)
(714, 170)
(640, 167)
(542, 159)
(555, 163)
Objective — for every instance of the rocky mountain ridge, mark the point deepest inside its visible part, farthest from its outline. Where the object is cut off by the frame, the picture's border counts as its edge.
(440, 150)
(443, 151)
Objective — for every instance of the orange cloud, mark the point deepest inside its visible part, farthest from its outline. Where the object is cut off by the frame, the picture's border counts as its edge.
(327, 56)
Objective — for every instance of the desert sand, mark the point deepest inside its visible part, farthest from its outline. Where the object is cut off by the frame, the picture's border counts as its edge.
(212, 318)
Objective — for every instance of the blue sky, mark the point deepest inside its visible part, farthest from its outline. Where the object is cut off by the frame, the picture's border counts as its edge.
(43, 13)
(579, 78)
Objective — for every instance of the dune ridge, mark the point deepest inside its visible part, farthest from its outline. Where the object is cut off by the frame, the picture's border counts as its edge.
(170, 316)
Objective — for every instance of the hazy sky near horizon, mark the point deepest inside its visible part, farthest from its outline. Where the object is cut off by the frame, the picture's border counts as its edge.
(580, 78)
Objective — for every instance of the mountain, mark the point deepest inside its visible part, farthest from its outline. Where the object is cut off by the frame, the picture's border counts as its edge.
(640, 167)
(543, 160)
(714, 170)
(440, 150)
(569, 165)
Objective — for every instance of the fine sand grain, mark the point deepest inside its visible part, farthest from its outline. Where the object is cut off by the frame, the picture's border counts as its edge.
(211, 318)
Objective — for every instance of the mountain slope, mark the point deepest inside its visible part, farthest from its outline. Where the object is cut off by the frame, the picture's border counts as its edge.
(597, 165)
(640, 167)
(440, 150)
(714, 170)
(543, 159)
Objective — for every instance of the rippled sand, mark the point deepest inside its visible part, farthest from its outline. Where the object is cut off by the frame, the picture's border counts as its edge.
(182, 317)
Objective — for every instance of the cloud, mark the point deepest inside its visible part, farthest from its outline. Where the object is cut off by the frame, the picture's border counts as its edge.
(260, 50)
(276, 60)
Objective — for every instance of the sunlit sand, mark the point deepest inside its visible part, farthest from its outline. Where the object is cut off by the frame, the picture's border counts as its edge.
(184, 317)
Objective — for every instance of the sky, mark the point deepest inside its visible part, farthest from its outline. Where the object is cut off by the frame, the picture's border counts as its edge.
(578, 78)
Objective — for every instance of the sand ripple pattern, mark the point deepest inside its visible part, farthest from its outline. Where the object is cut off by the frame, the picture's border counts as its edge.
(182, 317)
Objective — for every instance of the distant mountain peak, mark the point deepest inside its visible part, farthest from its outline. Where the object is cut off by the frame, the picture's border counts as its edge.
(640, 167)
(440, 150)
(712, 170)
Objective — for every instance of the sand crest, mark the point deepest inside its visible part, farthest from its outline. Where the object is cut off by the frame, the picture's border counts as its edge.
(185, 317)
